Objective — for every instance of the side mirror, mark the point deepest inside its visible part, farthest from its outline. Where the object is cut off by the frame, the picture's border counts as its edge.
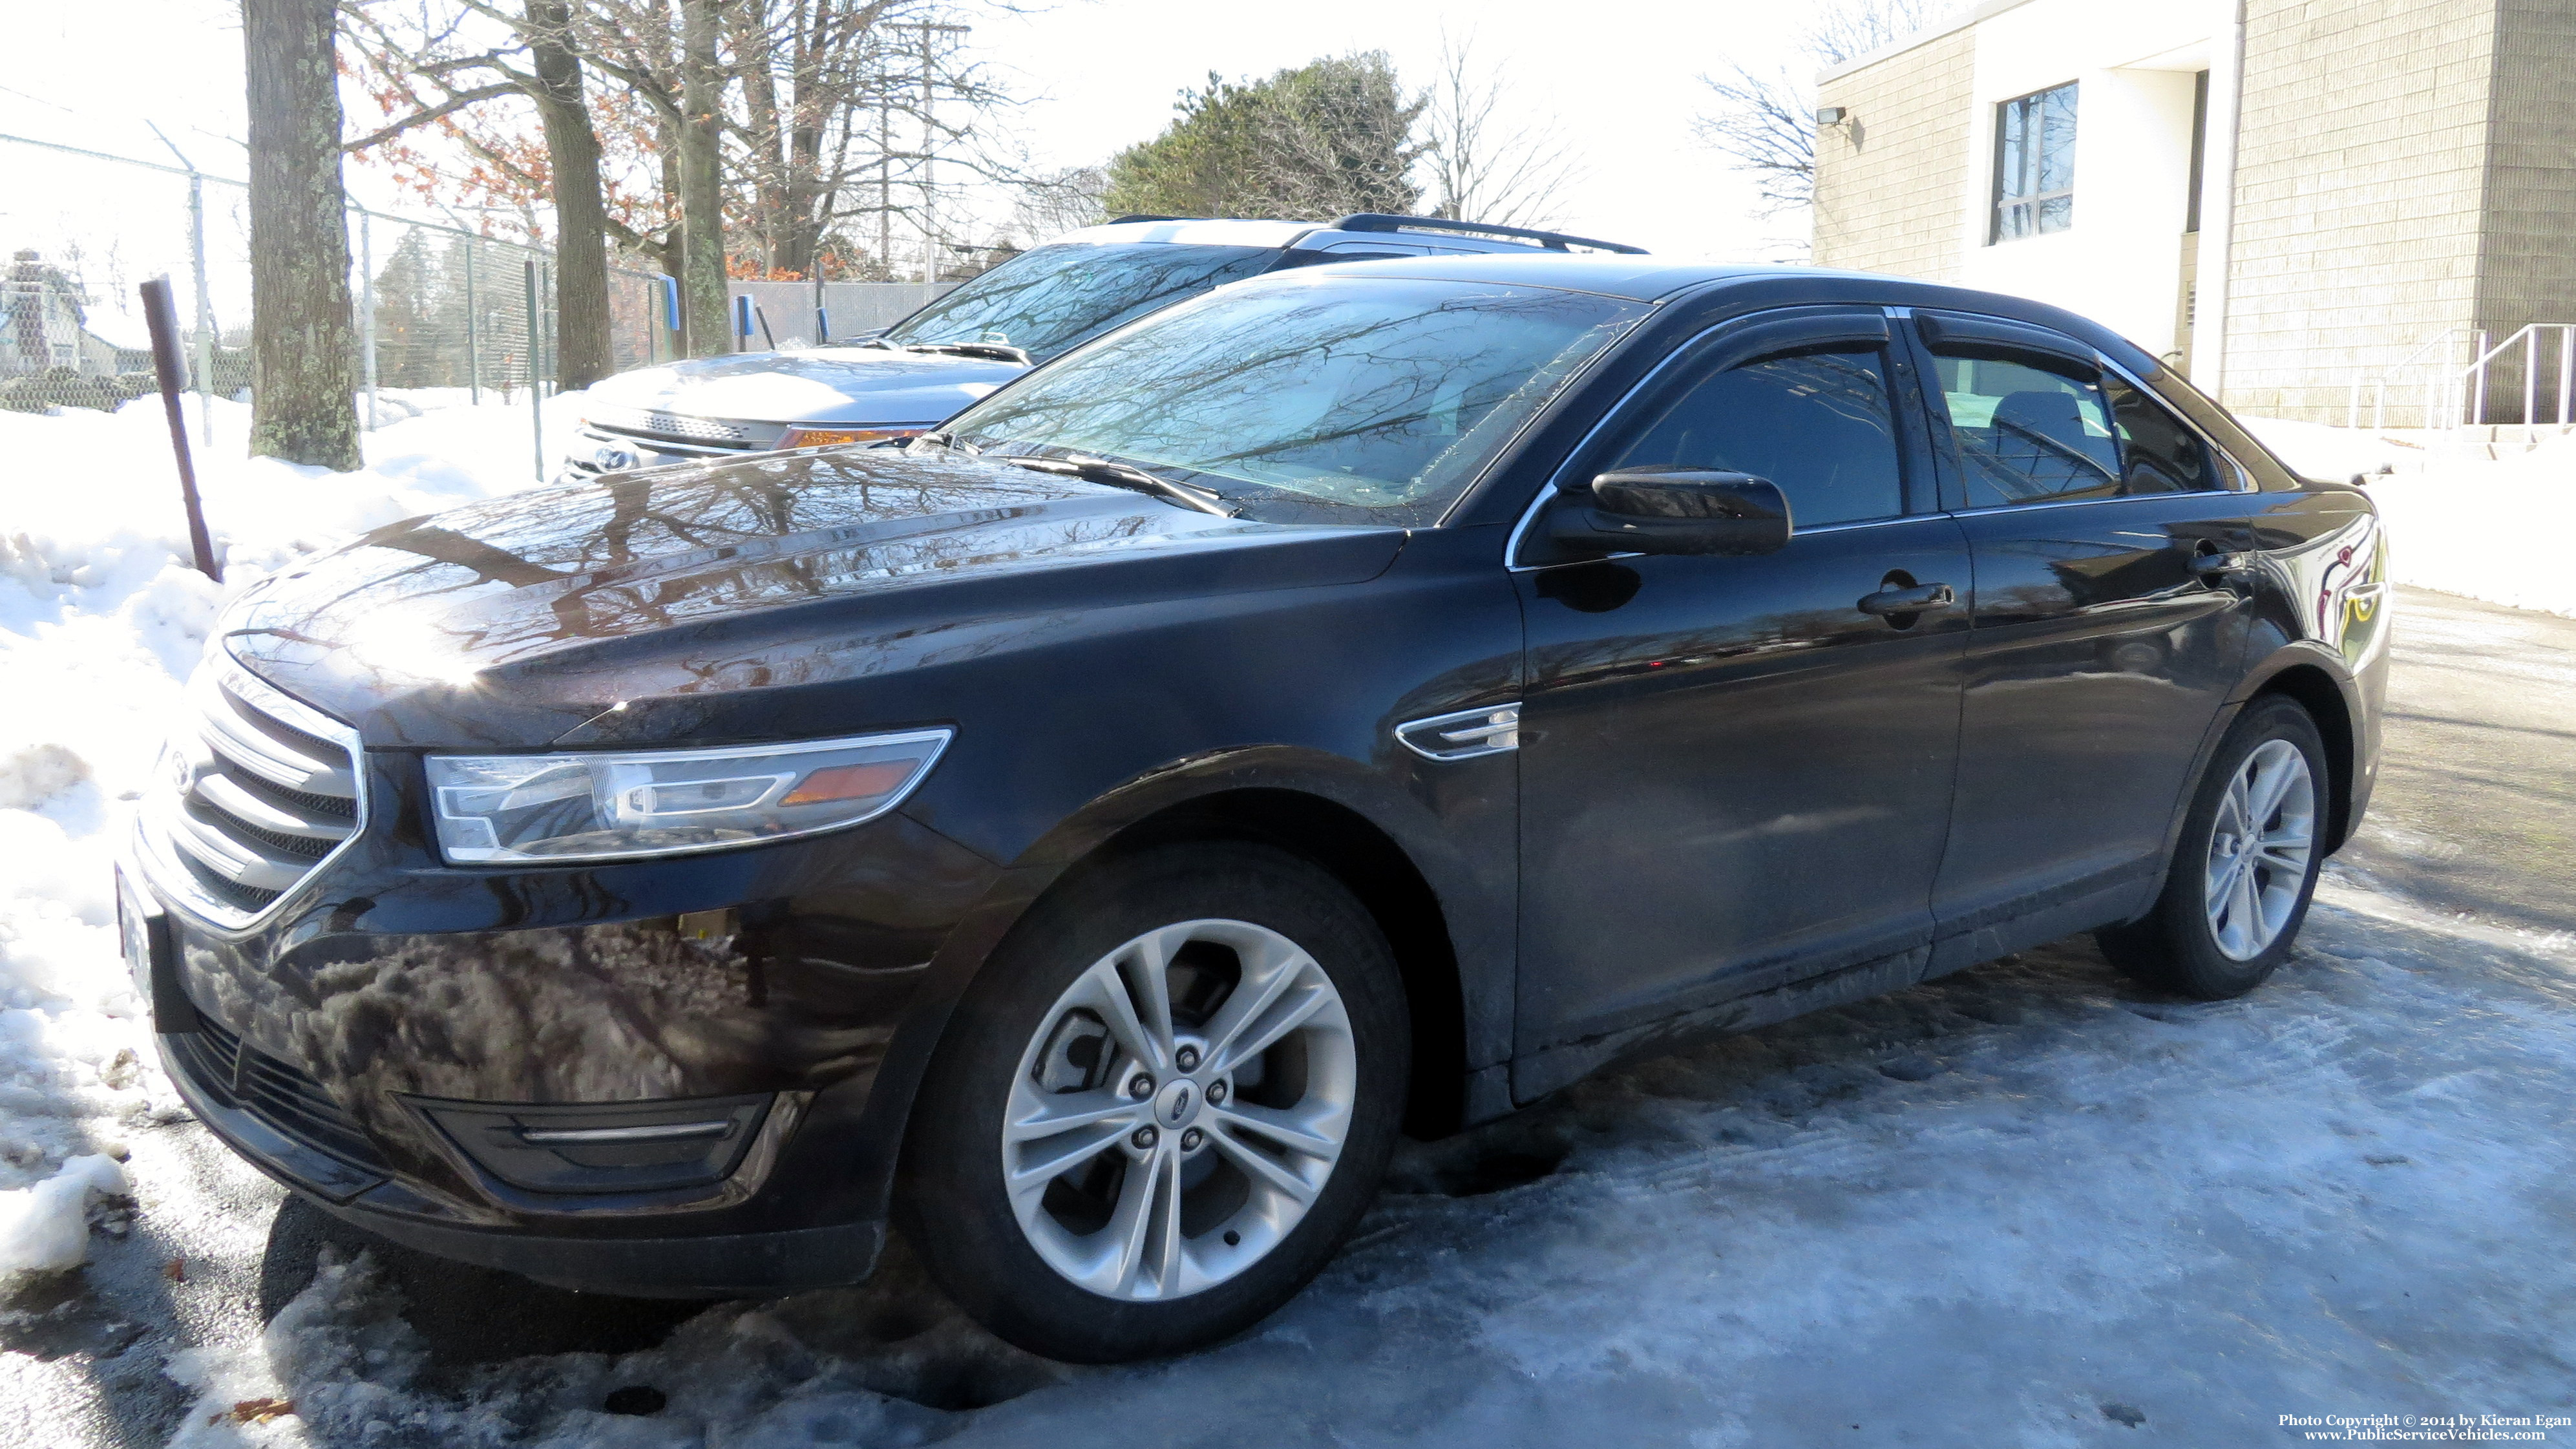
(1674, 510)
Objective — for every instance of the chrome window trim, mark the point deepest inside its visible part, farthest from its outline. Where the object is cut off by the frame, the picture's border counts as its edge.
(177, 885)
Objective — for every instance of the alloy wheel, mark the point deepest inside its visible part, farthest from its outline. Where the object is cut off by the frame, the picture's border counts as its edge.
(2260, 846)
(1179, 1109)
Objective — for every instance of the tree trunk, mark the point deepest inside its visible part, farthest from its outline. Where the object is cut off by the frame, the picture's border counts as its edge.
(303, 349)
(582, 352)
(702, 263)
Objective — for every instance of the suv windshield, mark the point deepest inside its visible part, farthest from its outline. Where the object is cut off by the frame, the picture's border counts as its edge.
(1046, 300)
(1310, 396)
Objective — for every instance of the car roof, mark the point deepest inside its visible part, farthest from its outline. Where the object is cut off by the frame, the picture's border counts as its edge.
(1656, 279)
(1386, 232)
(1190, 231)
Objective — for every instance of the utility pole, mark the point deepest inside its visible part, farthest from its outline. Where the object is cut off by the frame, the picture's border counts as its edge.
(930, 144)
(205, 338)
(885, 179)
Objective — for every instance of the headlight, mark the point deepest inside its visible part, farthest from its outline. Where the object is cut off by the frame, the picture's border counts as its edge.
(553, 809)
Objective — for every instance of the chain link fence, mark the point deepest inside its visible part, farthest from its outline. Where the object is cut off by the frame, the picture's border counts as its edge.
(443, 314)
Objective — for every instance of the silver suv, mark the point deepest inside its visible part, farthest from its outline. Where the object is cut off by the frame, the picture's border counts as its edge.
(903, 380)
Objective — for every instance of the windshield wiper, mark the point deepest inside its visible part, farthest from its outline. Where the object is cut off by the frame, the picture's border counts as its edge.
(989, 351)
(1123, 475)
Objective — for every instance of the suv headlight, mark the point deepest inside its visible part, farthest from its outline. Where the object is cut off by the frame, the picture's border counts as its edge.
(556, 809)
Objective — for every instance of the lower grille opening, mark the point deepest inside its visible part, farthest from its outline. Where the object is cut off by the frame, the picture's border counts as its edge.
(242, 1077)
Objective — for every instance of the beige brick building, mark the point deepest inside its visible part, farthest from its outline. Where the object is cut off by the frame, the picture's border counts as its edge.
(2279, 195)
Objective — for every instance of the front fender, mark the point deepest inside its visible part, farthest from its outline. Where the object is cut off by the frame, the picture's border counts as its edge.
(1425, 808)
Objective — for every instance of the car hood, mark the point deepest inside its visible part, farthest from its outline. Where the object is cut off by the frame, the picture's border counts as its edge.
(829, 385)
(735, 601)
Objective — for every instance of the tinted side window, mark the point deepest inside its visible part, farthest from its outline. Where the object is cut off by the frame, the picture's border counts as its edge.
(2037, 430)
(2030, 430)
(2157, 453)
(1819, 425)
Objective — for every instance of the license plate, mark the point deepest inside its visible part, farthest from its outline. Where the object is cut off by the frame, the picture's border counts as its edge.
(134, 913)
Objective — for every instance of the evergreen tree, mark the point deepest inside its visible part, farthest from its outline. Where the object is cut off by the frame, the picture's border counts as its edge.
(1325, 139)
(406, 352)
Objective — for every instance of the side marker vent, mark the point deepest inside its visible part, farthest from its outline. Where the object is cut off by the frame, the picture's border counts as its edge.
(1465, 735)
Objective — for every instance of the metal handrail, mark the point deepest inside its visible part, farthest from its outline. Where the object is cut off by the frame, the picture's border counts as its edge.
(2529, 336)
(2379, 384)
(2457, 395)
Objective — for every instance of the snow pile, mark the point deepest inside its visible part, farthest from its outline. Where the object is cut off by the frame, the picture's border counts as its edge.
(101, 616)
(2486, 530)
(810, 1370)
(45, 1228)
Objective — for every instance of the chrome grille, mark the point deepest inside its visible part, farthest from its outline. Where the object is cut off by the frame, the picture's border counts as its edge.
(705, 430)
(256, 791)
(655, 426)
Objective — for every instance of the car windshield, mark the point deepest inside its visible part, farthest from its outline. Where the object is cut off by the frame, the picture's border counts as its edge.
(1308, 396)
(1046, 300)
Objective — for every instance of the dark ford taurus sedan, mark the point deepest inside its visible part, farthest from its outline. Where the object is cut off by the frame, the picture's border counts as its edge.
(1358, 700)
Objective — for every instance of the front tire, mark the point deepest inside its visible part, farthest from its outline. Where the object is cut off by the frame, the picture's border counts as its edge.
(2246, 865)
(1164, 1102)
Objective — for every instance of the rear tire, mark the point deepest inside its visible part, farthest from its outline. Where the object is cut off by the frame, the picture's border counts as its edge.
(2246, 866)
(1106, 1162)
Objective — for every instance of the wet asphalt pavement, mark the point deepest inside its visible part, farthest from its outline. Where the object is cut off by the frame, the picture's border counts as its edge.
(2475, 817)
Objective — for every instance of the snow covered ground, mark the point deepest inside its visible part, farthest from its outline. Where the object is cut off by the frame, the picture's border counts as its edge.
(2026, 1205)
(100, 618)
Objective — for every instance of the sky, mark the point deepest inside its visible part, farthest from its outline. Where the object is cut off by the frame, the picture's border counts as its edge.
(1619, 84)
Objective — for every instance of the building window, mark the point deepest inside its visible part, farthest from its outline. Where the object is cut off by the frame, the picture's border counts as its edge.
(2035, 164)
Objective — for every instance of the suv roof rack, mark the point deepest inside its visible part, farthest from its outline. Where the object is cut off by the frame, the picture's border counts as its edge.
(1552, 240)
(1141, 216)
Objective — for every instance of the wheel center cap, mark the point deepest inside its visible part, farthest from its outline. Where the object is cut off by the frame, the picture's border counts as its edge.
(1177, 1104)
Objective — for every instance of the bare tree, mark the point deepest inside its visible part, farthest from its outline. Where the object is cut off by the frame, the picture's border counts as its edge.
(1767, 122)
(425, 59)
(303, 348)
(1068, 200)
(701, 191)
(817, 115)
(1488, 158)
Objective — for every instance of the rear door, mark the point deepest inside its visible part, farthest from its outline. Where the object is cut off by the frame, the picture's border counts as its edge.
(1732, 776)
(2100, 651)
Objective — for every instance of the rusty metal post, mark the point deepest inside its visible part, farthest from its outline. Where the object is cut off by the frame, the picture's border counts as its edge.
(172, 374)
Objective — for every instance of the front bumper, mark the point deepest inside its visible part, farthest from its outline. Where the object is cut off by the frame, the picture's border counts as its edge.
(362, 1192)
(319, 1041)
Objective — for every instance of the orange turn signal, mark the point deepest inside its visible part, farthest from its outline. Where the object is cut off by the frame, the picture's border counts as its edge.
(825, 437)
(851, 782)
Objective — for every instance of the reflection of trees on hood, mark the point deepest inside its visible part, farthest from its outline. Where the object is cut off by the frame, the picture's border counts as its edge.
(644, 551)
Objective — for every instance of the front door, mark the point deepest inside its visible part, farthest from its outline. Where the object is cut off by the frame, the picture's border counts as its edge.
(2101, 653)
(1732, 776)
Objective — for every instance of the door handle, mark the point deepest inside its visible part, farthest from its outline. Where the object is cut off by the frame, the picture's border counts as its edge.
(2220, 565)
(1919, 600)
